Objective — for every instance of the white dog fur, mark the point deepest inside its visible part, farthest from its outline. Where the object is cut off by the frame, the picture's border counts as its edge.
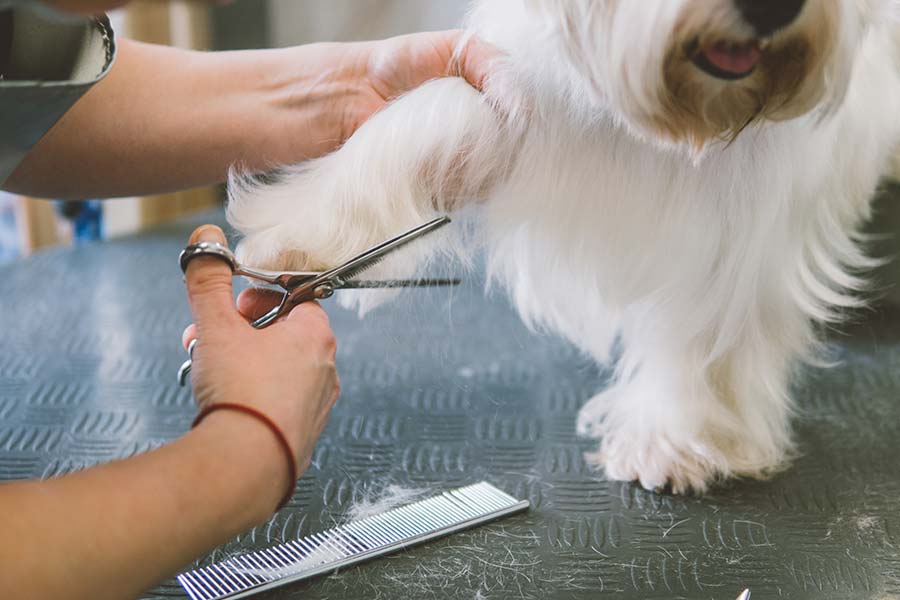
(623, 193)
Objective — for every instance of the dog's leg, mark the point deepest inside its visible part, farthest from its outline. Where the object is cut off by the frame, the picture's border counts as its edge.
(681, 421)
(427, 153)
(894, 167)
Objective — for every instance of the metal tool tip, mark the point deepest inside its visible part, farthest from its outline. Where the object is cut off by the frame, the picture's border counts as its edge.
(745, 595)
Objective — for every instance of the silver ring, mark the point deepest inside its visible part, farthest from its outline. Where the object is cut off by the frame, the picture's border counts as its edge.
(213, 249)
(191, 347)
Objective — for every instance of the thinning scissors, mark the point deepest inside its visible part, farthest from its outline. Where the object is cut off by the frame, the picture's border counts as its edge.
(300, 287)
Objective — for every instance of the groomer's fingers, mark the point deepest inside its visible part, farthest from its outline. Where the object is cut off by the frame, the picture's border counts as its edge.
(255, 302)
(208, 282)
(309, 322)
(475, 60)
(309, 311)
(189, 335)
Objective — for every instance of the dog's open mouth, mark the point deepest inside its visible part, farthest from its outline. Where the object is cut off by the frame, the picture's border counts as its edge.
(728, 60)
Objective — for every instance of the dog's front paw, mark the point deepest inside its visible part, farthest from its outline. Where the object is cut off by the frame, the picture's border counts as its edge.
(284, 247)
(655, 462)
(673, 445)
(631, 451)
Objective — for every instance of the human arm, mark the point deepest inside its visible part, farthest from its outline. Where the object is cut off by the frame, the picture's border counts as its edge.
(165, 119)
(115, 530)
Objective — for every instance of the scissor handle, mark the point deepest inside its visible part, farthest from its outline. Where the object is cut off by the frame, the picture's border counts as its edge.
(284, 279)
(213, 249)
(323, 291)
(223, 253)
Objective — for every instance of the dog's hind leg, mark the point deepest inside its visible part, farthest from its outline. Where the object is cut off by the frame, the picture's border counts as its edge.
(429, 152)
(894, 166)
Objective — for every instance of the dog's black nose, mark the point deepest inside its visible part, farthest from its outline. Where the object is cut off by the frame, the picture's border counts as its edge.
(768, 16)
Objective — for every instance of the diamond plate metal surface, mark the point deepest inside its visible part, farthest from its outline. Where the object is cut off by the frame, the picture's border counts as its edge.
(445, 388)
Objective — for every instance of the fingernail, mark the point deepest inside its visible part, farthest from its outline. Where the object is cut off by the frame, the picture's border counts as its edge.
(208, 233)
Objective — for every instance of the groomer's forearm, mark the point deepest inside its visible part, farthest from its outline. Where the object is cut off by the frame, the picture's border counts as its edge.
(117, 530)
(166, 119)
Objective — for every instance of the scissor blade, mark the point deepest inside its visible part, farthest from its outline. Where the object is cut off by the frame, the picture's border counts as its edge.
(325, 284)
(398, 283)
(371, 257)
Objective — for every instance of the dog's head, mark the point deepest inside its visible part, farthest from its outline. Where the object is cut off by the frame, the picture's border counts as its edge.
(692, 71)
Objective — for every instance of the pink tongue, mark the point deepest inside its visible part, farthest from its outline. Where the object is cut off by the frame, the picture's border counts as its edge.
(733, 59)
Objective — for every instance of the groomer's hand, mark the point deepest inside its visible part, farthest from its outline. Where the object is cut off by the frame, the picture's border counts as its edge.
(286, 371)
(390, 68)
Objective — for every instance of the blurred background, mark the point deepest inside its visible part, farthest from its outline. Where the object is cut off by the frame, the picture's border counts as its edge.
(29, 224)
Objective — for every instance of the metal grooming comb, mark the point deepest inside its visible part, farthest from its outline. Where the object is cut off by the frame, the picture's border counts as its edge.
(355, 542)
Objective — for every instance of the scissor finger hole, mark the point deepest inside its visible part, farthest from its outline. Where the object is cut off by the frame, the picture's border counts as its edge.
(255, 302)
(206, 249)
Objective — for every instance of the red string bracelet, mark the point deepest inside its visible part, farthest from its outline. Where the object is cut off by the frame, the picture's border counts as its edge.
(275, 429)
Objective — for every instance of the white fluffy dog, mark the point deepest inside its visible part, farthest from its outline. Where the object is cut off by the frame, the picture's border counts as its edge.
(685, 176)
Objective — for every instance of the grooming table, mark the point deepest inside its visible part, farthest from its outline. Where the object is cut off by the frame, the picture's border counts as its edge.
(445, 388)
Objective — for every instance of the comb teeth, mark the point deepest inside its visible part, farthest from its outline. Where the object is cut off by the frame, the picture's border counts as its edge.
(319, 553)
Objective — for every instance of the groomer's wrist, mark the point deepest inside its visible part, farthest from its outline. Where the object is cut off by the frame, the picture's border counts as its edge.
(252, 469)
(311, 93)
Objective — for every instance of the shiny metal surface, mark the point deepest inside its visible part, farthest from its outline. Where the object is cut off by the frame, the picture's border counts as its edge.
(211, 249)
(352, 543)
(186, 367)
(444, 388)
